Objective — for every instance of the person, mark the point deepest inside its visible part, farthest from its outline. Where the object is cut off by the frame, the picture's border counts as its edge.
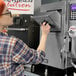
(13, 51)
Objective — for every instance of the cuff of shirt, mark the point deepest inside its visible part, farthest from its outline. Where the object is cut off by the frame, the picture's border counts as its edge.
(42, 53)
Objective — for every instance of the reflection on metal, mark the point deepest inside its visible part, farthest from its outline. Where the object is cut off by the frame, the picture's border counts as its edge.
(26, 73)
(74, 65)
(17, 29)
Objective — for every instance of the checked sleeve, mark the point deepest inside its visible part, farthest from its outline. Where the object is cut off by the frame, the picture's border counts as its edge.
(24, 55)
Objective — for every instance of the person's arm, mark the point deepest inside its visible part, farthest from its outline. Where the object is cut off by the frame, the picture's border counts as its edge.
(45, 30)
(24, 54)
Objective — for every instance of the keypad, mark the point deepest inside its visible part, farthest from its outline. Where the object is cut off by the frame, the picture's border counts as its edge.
(73, 15)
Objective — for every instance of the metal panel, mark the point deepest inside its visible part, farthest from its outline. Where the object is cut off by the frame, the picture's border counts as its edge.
(55, 40)
(48, 1)
(52, 52)
(72, 23)
(30, 74)
(53, 18)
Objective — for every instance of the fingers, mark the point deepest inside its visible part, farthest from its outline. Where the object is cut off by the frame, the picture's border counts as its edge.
(46, 25)
(43, 23)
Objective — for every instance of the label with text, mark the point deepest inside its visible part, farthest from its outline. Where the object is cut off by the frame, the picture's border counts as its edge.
(20, 6)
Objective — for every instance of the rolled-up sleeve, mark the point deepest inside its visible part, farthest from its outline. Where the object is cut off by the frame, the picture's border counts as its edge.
(23, 54)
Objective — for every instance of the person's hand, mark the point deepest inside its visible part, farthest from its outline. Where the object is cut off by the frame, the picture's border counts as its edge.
(45, 28)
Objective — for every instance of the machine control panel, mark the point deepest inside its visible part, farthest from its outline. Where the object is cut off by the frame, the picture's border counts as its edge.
(73, 11)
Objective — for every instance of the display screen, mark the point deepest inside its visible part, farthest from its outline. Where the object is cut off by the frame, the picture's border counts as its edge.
(73, 6)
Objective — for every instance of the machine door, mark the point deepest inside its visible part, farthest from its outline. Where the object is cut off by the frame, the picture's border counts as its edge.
(53, 18)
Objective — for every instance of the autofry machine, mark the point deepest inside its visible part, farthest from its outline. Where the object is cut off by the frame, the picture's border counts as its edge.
(60, 47)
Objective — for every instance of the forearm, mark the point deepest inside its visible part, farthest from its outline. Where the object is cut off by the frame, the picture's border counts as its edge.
(42, 43)
(45, 30)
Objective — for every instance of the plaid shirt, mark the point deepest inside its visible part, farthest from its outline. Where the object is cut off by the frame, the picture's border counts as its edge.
(14, 53)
